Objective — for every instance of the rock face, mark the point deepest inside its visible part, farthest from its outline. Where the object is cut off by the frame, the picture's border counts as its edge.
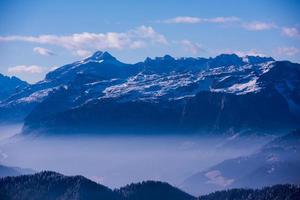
(277, 162)
(100, 94)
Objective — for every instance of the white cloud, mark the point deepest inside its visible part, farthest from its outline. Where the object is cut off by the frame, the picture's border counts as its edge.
(222, 19)
(138, 44)
(287, 51)
(196, 20)
(259, 26)
(80, 43)
(32, 69)
(291, 32)
(82, 53)
(252, 26)
(191, 47)
(43, 51)
(147, 33)
(183, 20)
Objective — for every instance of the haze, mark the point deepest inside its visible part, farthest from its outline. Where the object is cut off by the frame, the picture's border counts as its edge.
(118, 160)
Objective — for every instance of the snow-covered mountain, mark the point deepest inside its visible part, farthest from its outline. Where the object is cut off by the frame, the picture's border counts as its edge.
(10, 85)
(277, 162)
(162, 94)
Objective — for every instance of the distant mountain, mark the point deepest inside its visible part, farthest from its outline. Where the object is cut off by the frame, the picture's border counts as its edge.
(51, 185)
(13, 171)
(278, 162)
(10, 85)
(279, 192)
(163, 94)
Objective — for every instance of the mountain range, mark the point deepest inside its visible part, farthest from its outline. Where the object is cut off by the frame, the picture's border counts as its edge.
(165, 94)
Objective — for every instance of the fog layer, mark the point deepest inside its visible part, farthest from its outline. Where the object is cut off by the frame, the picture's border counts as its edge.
(118, 160)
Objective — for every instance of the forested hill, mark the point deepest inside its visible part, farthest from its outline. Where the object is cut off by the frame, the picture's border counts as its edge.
(278, 192)
(53, 186)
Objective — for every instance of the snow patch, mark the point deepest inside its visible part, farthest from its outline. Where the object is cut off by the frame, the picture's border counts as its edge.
(215, 177)
(36, 96)
(240, 88)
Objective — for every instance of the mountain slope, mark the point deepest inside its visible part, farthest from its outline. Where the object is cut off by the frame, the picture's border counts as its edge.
(176, 103)
(276, 163)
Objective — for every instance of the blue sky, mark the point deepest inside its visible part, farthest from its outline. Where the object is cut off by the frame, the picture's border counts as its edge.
(37, 36)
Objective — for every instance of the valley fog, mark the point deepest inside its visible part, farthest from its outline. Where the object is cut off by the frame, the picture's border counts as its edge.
(117, 160)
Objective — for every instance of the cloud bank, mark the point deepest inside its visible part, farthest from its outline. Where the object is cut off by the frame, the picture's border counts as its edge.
(32, 69)
(259, 26)
(193, 48)
(81, 43)
(196, 20)
(291, 32)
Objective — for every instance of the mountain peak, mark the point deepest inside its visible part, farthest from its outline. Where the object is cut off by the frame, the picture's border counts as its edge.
(164, 58)
(99, 55)
(168, 57)
(228, 56)
(226, 60)
(257, 59)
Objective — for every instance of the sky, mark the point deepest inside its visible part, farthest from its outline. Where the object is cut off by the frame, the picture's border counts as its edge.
(39, 36)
